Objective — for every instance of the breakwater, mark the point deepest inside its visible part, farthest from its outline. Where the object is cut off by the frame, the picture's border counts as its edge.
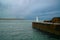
(52, 26)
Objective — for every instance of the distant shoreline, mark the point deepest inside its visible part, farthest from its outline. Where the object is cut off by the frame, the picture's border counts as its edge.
(11, 19)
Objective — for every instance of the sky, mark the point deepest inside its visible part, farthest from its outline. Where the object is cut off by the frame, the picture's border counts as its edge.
(29, 9)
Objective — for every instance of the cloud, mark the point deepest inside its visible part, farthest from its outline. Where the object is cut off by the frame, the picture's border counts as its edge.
(28, 8)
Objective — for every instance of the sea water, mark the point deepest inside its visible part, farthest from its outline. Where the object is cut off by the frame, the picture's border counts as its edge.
(21, 30)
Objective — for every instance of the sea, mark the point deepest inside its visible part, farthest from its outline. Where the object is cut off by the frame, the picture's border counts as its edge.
(22, 30)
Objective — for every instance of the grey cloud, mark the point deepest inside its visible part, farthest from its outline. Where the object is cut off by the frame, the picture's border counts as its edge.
(27, 8)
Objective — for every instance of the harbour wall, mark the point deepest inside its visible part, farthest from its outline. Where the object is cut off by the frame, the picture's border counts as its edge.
(47, 27)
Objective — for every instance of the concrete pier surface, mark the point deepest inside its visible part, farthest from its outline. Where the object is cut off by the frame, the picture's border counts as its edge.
(52, 26)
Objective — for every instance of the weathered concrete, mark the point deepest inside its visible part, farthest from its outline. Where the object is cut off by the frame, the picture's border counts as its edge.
(48, 26)
(52, 28)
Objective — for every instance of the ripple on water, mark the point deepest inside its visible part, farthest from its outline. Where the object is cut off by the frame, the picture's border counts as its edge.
(21, 30)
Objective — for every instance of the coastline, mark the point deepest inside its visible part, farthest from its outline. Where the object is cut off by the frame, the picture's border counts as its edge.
(11, 19)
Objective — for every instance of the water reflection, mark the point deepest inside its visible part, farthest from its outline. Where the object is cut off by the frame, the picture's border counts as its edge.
(22, 30)
(41, 35)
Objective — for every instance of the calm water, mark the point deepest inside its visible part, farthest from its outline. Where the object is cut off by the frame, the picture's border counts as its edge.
(21, 30)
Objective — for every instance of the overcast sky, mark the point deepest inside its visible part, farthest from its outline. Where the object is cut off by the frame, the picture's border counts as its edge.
(29, 9)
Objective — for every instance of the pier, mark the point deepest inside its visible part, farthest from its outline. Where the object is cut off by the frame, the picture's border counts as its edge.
(52, 26)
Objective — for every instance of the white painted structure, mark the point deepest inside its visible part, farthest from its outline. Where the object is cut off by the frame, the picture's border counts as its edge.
(37, 19)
